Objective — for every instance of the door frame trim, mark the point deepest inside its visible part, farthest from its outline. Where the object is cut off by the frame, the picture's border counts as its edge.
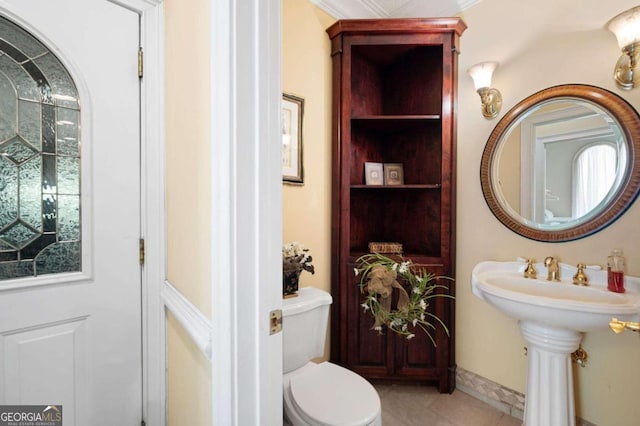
(246, 222)
(245, 86)
(153, 213)
(152, 135)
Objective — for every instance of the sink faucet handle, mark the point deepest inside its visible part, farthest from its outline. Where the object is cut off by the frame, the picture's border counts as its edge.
(580, 278)
(530, 270)
(618, 326)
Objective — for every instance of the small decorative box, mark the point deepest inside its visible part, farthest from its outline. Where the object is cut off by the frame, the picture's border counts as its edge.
(385, 248)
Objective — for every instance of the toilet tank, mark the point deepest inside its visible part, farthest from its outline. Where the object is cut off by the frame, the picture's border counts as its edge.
(304, 326)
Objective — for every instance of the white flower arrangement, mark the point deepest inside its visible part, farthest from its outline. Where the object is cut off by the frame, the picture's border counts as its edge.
(296, 256)
(379, 275)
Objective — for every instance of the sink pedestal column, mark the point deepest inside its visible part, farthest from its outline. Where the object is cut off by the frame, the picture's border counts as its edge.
(549, 397)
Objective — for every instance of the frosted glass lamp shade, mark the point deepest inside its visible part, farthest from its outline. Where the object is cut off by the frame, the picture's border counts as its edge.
(481, 74)
(491, 98)
(626, 27)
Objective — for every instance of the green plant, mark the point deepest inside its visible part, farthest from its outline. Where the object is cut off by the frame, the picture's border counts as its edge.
(379, 275)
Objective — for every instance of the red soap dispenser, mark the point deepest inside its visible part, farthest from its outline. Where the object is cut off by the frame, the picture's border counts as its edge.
(615, 271)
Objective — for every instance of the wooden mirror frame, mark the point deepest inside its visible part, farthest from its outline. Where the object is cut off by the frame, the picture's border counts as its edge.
(629, 122)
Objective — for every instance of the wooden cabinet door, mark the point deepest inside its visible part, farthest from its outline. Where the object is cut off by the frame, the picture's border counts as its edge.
(368, 352)
(419, 358)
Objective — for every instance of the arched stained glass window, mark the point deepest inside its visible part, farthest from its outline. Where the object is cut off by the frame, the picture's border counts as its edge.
(39, 159)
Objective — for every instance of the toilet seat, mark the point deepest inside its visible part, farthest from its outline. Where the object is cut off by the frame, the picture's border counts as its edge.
(329, 395)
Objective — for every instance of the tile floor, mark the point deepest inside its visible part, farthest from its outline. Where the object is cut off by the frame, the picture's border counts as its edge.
(404, 405)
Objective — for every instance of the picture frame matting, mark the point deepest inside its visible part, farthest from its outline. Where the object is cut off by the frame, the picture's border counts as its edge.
(292, 113)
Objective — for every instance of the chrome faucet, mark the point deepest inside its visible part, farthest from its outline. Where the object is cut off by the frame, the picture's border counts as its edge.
(553, 270)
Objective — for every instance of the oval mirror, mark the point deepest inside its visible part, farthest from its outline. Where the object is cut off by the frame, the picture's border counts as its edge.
(561, 164)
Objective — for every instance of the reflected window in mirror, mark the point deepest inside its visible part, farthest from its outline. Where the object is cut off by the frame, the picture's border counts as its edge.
(551, 138)
(594, 173)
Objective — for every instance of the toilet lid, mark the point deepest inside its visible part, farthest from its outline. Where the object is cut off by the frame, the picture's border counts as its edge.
(330, 395)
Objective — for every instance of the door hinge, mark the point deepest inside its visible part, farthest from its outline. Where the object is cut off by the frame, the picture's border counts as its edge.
(141, 251)
(140, 61)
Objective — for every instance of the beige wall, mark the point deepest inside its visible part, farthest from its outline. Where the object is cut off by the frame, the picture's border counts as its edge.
(188, 201)
(188, 383)
(538, 44)
(306, 72)
(188, 111)
(562, 42)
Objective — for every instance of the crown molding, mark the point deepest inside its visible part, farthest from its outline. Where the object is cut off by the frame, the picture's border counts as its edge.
(466, 4)
(137, 6)
(372, 9)
(347, 9)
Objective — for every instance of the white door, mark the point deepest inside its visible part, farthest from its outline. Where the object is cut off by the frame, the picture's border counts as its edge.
(71, 337)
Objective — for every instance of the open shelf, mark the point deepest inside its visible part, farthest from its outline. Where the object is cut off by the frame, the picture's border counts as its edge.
(398, 187)
(414, 143)
(417, 258)
(408, 217)
(393, 122)
(396, 79)
(400, 119)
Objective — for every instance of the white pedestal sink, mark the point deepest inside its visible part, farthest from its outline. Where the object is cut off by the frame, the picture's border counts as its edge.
(552, 318)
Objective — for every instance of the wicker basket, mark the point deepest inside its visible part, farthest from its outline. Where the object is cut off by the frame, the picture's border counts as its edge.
(385, 248)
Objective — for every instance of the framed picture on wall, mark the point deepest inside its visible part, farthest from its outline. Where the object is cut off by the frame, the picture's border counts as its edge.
(292, 109)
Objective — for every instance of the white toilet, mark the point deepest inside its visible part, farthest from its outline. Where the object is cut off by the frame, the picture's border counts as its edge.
(322, 394)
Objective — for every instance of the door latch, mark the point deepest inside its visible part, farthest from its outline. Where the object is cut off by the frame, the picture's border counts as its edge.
(275, 321)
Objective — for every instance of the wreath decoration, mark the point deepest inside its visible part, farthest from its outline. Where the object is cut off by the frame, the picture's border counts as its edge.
(379, 277)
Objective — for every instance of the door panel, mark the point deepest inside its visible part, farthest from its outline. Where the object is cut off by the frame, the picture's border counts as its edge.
(52, 351)
(74, 338)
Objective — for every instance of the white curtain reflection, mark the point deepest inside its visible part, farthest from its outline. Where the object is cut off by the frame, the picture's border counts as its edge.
(593, 175)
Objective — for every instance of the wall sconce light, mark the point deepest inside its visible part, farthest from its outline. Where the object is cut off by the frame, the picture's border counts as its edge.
(491, 98)
(626, 27)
